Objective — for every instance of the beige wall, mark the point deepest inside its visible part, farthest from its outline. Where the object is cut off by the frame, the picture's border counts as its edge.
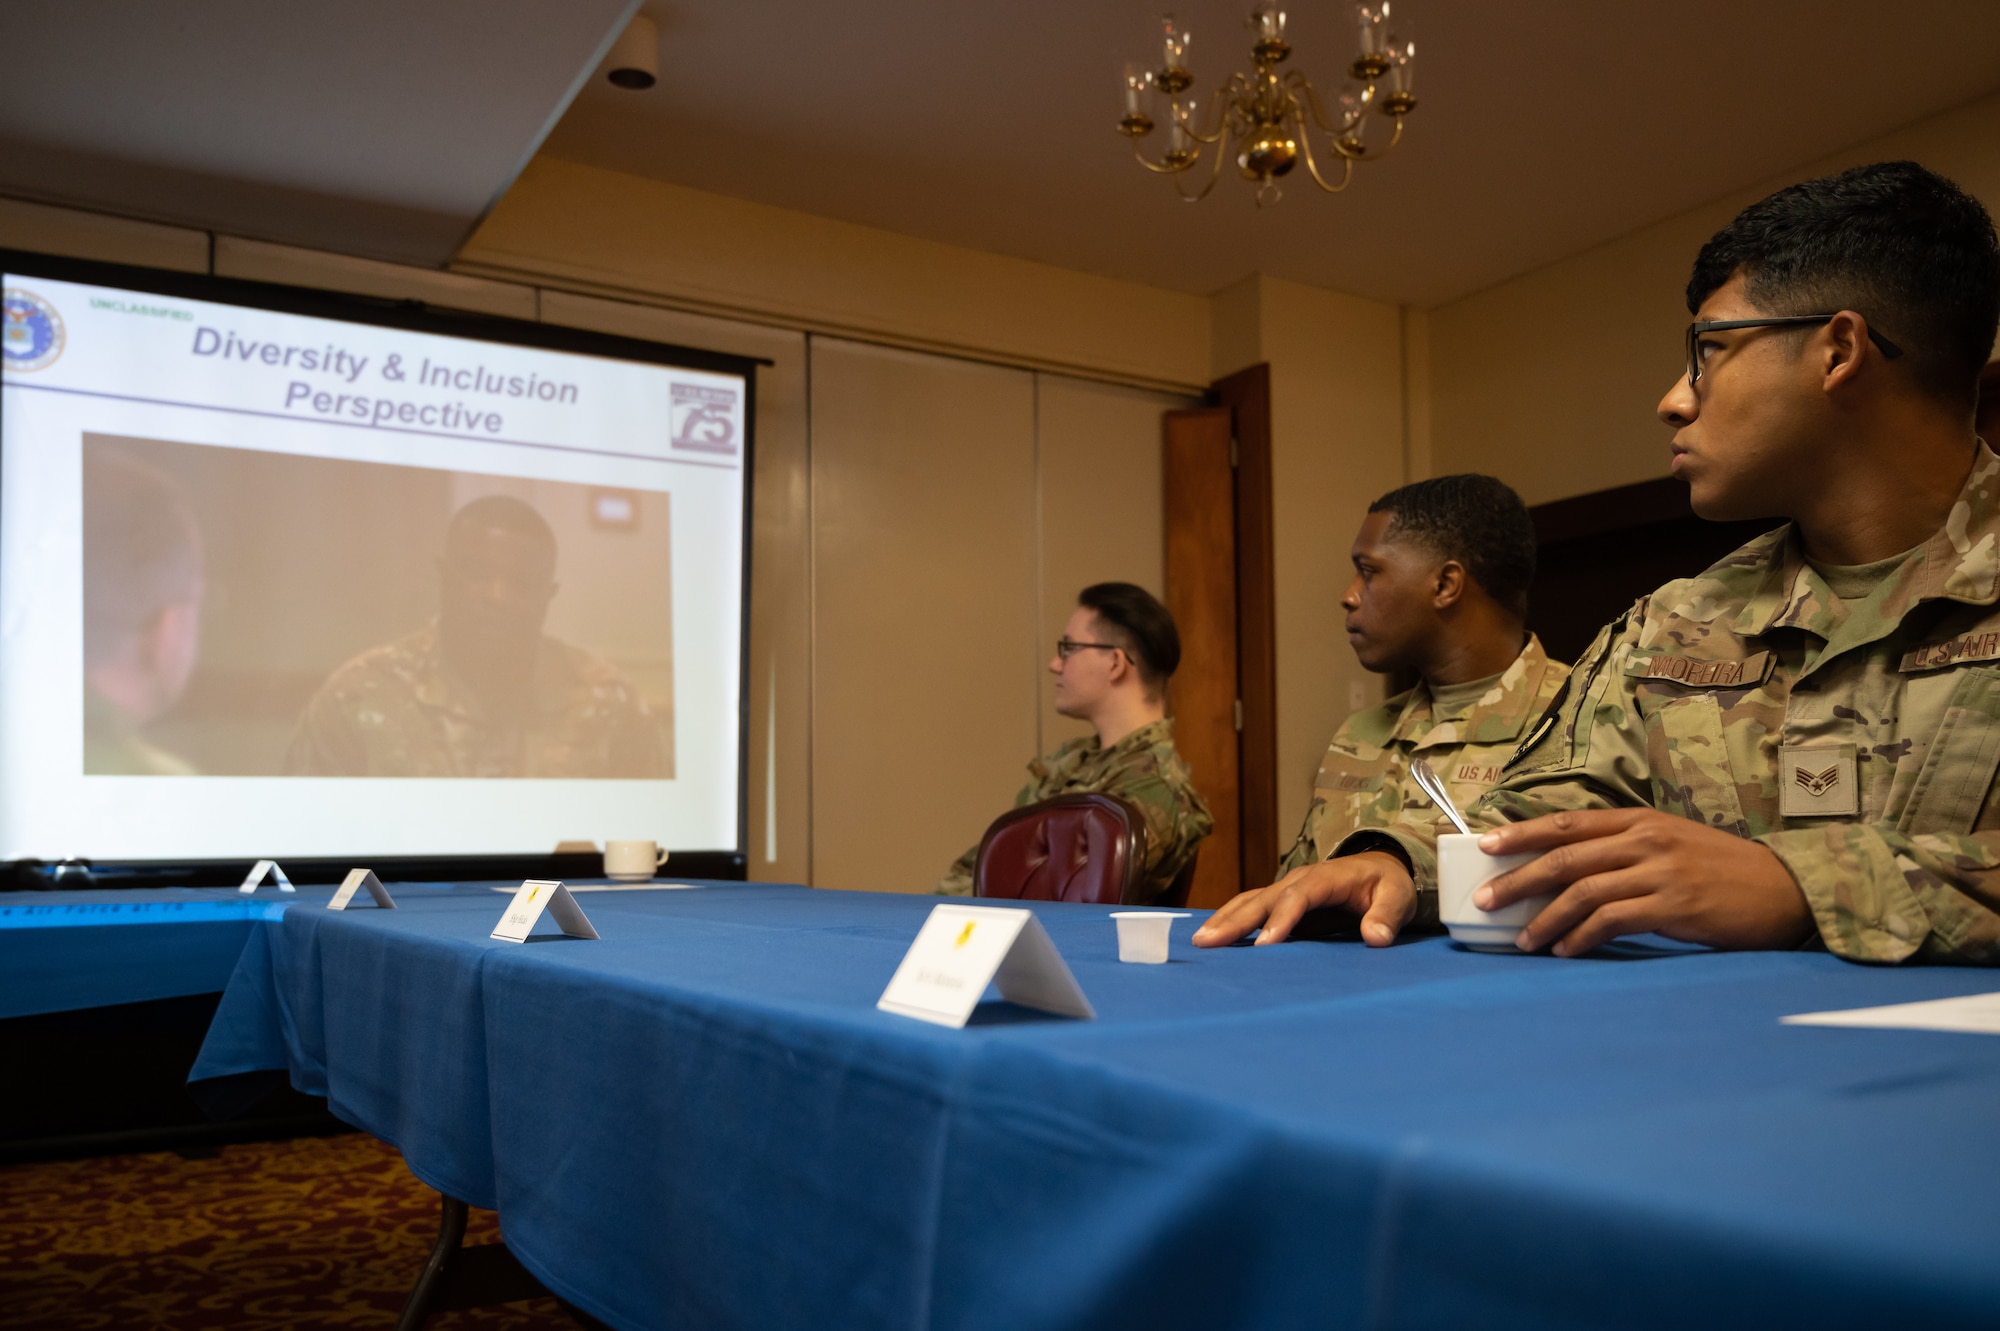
(1337, 442)
(1549, 380)
(1098, 488)
(599, 229)
(924, 607)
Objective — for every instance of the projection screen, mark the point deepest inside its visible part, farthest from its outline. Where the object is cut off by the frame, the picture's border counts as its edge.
(291, 574)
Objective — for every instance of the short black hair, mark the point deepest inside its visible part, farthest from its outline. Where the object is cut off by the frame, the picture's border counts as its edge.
(1477, 520)
(1900, 245)
(1139, 623)
(501, 513)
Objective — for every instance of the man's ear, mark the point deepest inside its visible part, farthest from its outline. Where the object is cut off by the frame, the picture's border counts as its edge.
(1843, 347)
(1448, 585)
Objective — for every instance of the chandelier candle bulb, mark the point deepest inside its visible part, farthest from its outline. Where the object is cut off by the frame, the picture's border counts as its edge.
(1402, 65)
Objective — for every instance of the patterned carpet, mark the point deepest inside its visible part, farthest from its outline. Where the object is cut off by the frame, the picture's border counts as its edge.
(322, 1232)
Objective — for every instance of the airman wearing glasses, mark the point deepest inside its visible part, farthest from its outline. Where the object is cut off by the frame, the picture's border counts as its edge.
(1112, 665)
(1799, 746)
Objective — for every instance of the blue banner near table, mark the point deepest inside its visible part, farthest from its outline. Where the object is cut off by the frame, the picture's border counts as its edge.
(703, 1120)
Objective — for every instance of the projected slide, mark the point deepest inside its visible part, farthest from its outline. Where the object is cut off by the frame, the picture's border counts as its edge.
(283, 585)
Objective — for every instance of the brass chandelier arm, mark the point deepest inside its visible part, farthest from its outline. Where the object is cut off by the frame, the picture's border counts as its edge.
(1160, 168)
(1372, 154)
(1214, 174)
(1217, 115)
(1297, 83)
(1312, 167)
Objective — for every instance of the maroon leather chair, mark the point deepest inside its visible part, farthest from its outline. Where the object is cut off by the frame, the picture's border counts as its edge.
(1069, 848)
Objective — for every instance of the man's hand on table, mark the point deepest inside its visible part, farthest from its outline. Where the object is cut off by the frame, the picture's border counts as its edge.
(1373, 885)
(1635, 871)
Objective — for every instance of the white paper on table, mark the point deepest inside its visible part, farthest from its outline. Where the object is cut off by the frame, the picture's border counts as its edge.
(356, 880)
(962, 949)
(255, 878)
(1974, 1014)
(532, 898)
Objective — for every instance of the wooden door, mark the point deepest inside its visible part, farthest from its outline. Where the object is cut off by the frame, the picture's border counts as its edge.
(1197, 494)
(1216, 485)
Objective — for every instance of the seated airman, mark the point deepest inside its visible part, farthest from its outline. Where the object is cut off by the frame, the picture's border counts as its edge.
(1112, 665)
(1440, 591)
(1800, 744)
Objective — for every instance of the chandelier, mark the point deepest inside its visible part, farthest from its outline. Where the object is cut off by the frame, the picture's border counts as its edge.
(1264, 116)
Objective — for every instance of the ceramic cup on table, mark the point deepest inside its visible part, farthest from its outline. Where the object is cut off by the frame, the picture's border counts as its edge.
(1462, 867)
(1142, 934)
(632, 861)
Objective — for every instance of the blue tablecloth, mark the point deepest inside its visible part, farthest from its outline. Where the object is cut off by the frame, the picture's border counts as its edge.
(702, 1120)
(96, 947)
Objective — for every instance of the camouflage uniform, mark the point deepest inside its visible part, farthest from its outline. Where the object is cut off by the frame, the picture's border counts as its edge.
(397, 711)
(1143, 769)
(1858, 740)
(1364, 781)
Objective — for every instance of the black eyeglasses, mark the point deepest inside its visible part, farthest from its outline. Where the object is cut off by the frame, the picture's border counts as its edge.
(1066, 649)
(1695, 330)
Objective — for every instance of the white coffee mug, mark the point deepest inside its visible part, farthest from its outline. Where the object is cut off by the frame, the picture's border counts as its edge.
(1462, 867)
(632, 861)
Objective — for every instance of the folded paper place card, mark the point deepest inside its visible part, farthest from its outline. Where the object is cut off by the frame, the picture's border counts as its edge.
(962, 949)
(261, 870)
(1974, 1014)
(530, 900)
(358, 880)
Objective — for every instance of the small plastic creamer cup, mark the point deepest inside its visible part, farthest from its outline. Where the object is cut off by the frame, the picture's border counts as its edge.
(1462, 867)
(1142, 934)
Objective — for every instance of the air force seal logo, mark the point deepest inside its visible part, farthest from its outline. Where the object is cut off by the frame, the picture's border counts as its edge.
(31, 332)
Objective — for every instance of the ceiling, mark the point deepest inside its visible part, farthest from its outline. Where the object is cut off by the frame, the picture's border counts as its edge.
(388, 128)
(364, 126)
(1545, 126)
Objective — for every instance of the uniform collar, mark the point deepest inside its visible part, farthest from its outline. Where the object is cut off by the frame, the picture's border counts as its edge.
(1960, 562)
(1145, 737)
(1501, 714)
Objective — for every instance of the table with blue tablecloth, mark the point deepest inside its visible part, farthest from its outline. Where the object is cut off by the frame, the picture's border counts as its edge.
(76, 948)
(703, 1120)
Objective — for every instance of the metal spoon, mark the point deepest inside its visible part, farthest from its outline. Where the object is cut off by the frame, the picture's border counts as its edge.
(1433, 787)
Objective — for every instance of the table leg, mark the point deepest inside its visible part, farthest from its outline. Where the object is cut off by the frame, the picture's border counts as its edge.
(456, 1277)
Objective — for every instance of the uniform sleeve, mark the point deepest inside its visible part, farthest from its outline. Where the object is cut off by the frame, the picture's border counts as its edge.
(957, 880)
(1877, 893)
(1881, 894)
(326, 741)
(1304, 849)
(1175, 825)
(1589, 752)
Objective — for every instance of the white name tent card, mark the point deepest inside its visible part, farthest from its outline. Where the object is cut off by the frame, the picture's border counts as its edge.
(358, 880)
(532, 898)
(962, 949)
(262, 869)
(1974, 1014)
